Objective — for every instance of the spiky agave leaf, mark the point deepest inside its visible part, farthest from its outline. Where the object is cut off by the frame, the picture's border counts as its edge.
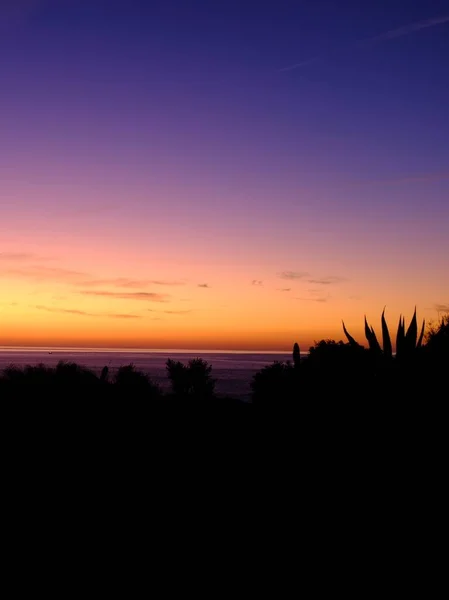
(400, 335)
(376, 345)
(367, 332)
(371, 337)
(351, 340)
(412, 332)
(421, 335)
(386, 340)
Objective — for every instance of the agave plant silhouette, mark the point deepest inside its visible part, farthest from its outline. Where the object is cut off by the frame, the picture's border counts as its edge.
(406, 341)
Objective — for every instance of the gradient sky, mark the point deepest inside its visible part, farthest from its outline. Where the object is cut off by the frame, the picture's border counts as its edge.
(226, 175)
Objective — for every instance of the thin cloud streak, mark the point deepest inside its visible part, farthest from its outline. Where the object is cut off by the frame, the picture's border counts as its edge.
(442, 307)
(293, 274)
(303, 63)
(16, 256)
(324, 299)
(149, 296)
(171, 312)
(326, 280)
(407, 29)
(124, 282)
(387, 35)
(72, 277)
(83, 313)
(44, 273)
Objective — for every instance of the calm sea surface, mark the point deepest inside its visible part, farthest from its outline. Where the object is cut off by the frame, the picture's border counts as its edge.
(233, 371)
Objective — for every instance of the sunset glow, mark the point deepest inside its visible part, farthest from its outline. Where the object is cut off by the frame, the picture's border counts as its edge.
(155, 195)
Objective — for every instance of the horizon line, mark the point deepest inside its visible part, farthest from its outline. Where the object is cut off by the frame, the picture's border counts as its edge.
(99, 349)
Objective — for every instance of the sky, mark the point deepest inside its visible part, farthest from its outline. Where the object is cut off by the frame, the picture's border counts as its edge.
(221, 175)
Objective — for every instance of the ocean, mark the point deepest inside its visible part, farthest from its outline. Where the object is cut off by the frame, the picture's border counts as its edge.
(233, 371)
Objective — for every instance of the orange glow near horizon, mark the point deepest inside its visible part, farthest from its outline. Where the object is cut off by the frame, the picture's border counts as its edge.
(120, 300)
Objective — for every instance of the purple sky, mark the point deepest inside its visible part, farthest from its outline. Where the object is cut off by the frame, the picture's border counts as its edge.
(291, 136)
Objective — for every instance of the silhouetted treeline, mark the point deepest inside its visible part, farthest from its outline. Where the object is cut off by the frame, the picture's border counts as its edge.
(342, 404)
(337, 371)
(332, 371)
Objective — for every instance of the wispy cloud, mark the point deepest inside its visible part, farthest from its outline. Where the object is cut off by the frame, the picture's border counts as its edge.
(320, 299)
(172, 312)
(303, 63)
(410, 28)
(256, 282)
(124, 282)
(70, 311)
(149, 296)
(203, 285)
(16, 256)
(83, 313)
(442, 307)
(326, 280)
(284, 289)
(40, 273)
(16, 265)
(293, 274)
(387, 35)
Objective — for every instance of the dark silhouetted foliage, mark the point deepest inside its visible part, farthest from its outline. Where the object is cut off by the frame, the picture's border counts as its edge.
(296, 355)
(193, 380)
(128, 380)
(274, 384)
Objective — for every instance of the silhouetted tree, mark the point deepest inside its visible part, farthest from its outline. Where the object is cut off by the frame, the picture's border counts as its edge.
(71, 375)
(296, 355)
(104, 374)
(202, 385)
(178, 374)
(193, 380)
(130, 381)
(273, 385)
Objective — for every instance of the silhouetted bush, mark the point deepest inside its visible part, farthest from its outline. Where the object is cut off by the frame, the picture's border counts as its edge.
(296, 355)
(69, 374)
(274, 384)
(128, 380)
(437, 337)
(193, 380)
(39, 375)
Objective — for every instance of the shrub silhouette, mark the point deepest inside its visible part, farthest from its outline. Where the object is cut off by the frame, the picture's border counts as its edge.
(273, 384)
(331, 354)
(62, 381)
(296, 355)
(437, 336)
(192, 380)
(104, 374)
(406, 341)
(436, 350)
(39, 375)
(69, 374)
(129, 380)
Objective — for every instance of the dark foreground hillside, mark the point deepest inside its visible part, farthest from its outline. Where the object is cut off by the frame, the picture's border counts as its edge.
(341, 394)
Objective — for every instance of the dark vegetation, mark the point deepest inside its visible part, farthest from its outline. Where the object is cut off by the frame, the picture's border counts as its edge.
(349, 371)
(332, 371)
(308, 419)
